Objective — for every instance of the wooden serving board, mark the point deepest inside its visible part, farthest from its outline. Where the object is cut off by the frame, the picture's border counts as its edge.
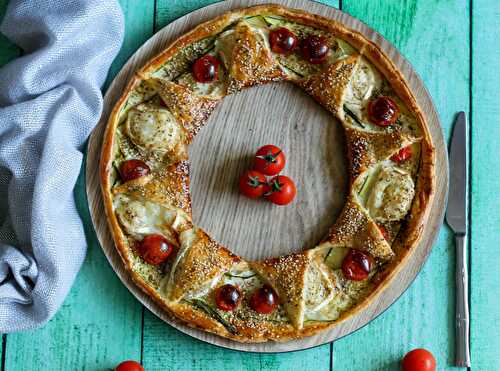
(313, 141)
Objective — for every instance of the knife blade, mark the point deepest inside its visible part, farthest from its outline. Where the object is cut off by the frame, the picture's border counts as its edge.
(456, 217)
(456, 212)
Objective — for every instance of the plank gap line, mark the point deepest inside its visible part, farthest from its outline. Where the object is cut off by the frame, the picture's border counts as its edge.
(142, 334)
(4, 348)
(154, 15)
(469, 149)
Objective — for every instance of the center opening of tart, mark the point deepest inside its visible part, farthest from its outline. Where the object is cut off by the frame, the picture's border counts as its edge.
(314, 144)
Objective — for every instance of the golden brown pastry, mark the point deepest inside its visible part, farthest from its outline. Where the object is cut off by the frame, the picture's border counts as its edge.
(145, 175)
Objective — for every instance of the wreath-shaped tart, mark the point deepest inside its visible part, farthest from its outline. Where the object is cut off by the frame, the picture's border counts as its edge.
(145, 175)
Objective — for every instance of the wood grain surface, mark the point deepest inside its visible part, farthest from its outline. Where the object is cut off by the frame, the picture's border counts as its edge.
(485, 186)
(422, 317)
(315, 143)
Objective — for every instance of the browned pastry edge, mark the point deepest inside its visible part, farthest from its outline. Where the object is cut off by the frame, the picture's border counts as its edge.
(424, 189)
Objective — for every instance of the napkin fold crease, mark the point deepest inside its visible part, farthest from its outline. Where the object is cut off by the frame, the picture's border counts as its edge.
(50, 99)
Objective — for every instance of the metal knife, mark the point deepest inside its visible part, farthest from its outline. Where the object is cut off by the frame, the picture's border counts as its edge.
(456, 217)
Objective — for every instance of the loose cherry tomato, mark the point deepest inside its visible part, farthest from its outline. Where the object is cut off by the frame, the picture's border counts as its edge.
(403, 155)
(228, 297)
(206, 69)
(129, 366)
(419, 360)
(269, 160)
(281, 190)
(282, 40)
(383, 111)
(314, 49)
(133, 169)
(357, 265)
(384, 232)
(253, 184)
(264, 300)
(155, 249)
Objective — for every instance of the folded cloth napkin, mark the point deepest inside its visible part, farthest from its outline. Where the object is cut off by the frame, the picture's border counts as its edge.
(50, 99)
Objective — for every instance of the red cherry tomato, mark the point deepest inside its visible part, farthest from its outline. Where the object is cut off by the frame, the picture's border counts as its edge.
(282, 40)
(314, 49)
(155, 249)
(264, 300)
(129, 366)
(228, 297)
(269, 160)
(357, 265)
(403, 155)
(252, 184)
(383, 111)
(419, 360)
(281, 190)
(206, 69)
(133, 169)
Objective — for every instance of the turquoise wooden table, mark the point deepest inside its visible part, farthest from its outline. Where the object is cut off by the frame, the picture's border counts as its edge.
(453, 45)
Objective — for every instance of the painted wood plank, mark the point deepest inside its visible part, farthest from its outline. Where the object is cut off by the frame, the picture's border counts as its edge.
(485, 216)
(8, 50)
(166, 348)
(424, 314)
(100, 323)
(139, 26)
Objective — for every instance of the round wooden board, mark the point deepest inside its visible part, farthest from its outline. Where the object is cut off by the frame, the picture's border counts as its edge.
(314, 144)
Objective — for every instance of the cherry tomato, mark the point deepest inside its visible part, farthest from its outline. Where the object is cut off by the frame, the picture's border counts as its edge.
(383, 111)
(155, 249)
(282, 40)
(264, 300)
(281, 190)
(129, 366)
(206, 69)
(253, 184)
(357, 265)
(403, 155)
(133, 169)
(419, 360)
(269, 160)
(384, 232)
(228, 297)
(314, 49)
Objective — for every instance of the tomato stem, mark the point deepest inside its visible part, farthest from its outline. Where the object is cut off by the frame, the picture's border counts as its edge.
(270, 157)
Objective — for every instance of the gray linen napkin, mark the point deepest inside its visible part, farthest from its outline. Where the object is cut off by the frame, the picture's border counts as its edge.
(50, 99)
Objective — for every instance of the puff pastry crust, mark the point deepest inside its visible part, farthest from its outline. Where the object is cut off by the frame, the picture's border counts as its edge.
(163, 108)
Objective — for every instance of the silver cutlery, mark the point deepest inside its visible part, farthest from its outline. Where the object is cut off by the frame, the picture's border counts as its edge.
(456, 217)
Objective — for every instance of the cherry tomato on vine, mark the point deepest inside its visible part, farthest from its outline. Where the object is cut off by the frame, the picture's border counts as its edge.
(357, 265)
(133, 169)
(383, 111)
(403, 155)
(280, 190)
(419, 360)
(155, 249)
(282, 40)
(206, 69)
(264, 300)
(253, 184)
(269, 160)
(129, 366)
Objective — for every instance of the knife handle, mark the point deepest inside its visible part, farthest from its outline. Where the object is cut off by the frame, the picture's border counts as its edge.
(462, 356)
